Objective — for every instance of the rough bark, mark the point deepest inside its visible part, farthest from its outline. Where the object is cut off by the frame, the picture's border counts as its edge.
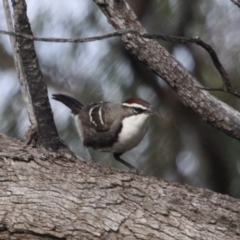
(46, 195)
(150, 52)
(46, 129)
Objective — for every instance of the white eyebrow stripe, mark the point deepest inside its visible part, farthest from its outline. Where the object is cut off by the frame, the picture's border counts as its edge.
(134, 105)
(100, 115)
(90, 115)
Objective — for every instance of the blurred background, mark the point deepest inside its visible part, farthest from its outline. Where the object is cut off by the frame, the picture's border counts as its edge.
(178, 146)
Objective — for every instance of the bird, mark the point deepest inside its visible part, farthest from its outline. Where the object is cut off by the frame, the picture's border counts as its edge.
(110, 127)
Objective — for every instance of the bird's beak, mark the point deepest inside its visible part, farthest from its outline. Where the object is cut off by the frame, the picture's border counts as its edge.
(150, 111)
(153, 112)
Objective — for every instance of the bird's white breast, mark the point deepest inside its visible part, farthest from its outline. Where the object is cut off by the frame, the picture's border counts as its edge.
(79, 126)
(133, 131)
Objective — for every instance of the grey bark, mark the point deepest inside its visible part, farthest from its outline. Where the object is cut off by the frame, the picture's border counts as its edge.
(47, 135)
(19, 67)
(47, 195)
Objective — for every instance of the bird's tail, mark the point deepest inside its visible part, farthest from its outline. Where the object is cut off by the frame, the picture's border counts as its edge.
(70, 102)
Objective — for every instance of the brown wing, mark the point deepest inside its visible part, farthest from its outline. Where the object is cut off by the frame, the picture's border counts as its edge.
(101, 125)
(99, 116)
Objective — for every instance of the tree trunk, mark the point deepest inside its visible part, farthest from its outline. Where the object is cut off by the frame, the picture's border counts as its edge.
(49, 195)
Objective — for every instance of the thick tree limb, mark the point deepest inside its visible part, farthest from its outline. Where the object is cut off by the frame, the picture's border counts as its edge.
(47, 132)
(47, 195)
(211, 110)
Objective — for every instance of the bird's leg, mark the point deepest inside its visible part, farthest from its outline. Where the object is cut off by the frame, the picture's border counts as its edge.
(87, 154)
(117, 157)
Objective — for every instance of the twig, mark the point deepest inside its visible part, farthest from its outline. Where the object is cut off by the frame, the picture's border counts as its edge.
(227, 86)
(211, 89)
(207, 47)
(70, 40)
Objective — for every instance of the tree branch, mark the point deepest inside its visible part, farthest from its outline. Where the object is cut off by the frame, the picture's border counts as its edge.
(211, 110)
(47, 132)
(227, 86)
(19, 68)
(237, 2)
(69, 40)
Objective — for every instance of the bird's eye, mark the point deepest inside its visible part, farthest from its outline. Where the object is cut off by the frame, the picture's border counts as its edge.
(138, 110)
